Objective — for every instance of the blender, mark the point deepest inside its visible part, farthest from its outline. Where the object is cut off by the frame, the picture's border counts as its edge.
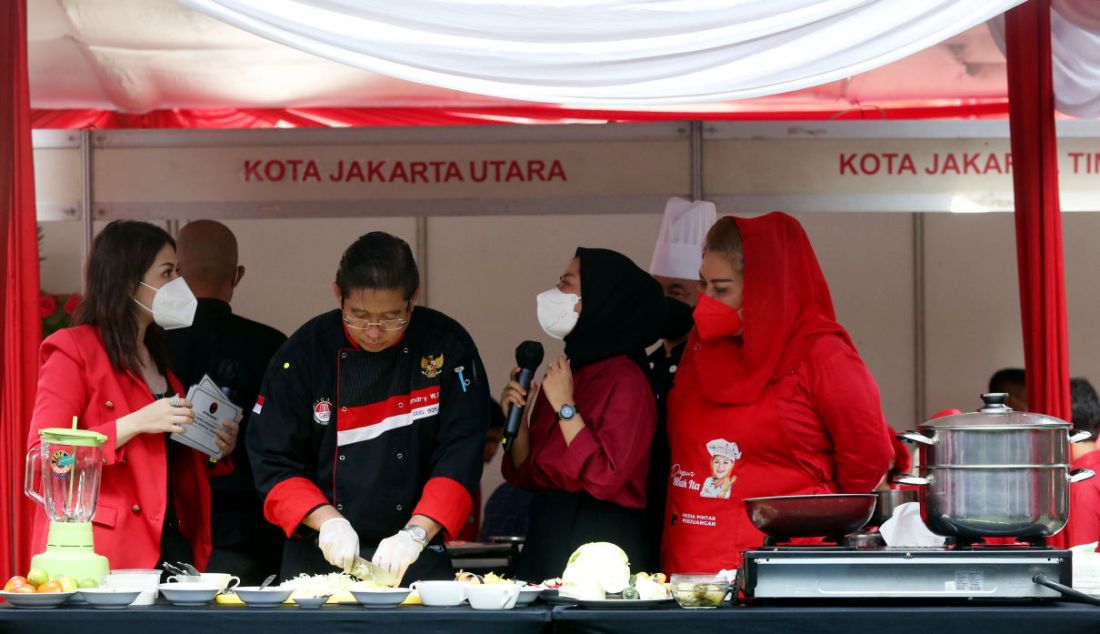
(69, 462)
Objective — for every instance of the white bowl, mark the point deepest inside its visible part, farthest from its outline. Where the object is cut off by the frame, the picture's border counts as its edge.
(493, 596)
(190, 593)
(223, 580)
(528, 595)
(441, 594)
(36, 599)
(108, 598)
(388, 598)
(311, 603)
(144, 579)
(268, 597)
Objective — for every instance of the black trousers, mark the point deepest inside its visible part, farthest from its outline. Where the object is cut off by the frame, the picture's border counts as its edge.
(561, 522)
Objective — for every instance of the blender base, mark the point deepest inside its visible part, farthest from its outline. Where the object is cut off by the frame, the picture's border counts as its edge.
(70, 551)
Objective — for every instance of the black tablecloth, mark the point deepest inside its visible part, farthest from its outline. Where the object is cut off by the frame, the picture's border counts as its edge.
(899, 618)
(288, 619)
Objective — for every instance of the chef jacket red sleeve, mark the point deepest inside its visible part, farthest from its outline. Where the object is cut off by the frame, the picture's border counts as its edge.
(283, 445)
(456, 462)
(846, 398)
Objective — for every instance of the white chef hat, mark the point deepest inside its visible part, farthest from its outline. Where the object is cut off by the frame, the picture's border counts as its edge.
(723, 447)
(679, 250)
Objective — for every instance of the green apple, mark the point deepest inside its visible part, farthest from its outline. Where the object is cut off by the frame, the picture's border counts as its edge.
(37, 576)
(88, 582)
(68, 584)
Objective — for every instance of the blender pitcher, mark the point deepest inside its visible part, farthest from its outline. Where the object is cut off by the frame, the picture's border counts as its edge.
(69, 463)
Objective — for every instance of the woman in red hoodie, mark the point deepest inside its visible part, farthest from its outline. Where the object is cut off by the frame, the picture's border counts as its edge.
(770, 378)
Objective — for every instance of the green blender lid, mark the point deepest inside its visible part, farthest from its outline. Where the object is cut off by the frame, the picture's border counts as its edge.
(64, 436)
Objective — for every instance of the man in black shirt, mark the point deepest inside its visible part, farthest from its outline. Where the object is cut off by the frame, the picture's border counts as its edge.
(234, 352)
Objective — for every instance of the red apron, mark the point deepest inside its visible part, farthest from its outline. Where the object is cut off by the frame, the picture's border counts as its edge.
(705, 533)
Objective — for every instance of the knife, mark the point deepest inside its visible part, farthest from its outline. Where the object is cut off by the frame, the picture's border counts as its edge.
(367, 571)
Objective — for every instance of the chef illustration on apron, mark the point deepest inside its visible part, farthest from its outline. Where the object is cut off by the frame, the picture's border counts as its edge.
(740, 452)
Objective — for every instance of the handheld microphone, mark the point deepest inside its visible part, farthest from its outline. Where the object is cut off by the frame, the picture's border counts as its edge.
(528, 357)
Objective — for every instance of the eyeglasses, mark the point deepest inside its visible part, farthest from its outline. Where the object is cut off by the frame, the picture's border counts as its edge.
(386, 325)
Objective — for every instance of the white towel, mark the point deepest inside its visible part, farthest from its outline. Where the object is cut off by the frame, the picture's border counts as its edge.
(906, 529)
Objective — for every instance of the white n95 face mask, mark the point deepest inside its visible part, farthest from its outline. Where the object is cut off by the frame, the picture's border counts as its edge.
(174, 304)
(556, 312)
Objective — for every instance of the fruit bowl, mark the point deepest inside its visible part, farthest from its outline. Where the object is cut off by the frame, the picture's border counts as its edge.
(36, 599)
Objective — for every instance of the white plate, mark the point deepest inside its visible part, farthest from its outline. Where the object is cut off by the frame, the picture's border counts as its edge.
(108, 598)
(625, 604)
(36, 599)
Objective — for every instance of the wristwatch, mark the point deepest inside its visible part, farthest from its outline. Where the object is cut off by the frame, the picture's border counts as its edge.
(567, 411)
(418, 533)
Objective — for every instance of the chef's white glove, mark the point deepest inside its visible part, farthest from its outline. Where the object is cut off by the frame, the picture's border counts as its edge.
(397, 552)
(339, 542)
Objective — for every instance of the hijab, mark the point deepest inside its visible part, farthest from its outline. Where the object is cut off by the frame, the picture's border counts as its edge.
(622, 310)
(785, 305)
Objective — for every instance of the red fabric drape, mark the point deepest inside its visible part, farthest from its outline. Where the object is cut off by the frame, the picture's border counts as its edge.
(21, 326)
(1038, 213)
(412, 116)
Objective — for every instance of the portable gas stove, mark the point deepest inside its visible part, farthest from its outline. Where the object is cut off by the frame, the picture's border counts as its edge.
(838, 571)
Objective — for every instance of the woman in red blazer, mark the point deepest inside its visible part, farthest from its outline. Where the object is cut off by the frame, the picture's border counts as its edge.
(111, 372)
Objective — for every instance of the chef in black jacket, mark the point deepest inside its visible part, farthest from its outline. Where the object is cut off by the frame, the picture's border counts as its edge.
(368, 433)
(234, 352)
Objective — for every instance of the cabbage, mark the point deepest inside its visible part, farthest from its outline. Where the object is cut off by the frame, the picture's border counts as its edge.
(594, 570)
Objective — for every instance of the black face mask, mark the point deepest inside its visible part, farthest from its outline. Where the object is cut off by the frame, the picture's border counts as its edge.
(678, 321)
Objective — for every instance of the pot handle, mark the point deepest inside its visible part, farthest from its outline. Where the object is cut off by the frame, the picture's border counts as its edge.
(912, 479)
(1078, 475)
(916, 437)
(1079, 436)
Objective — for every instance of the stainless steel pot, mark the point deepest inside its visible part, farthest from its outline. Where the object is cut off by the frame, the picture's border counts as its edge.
(995, 472)
(887, 500)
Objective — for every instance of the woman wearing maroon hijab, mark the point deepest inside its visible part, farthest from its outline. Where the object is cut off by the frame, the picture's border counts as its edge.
(770, 382)
(586, 447)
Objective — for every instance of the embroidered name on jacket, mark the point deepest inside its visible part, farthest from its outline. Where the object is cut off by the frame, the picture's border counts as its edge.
(368, 422)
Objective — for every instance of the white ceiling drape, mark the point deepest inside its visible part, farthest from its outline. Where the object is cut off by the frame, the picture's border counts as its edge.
(1075, 53)
(610, 52)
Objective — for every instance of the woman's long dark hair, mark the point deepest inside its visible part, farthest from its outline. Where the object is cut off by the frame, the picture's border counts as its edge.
(121, 254)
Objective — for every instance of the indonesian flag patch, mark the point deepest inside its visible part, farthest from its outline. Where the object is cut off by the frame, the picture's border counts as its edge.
(259, 406)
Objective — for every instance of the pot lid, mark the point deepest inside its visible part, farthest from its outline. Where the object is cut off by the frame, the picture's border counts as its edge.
(995, 414)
